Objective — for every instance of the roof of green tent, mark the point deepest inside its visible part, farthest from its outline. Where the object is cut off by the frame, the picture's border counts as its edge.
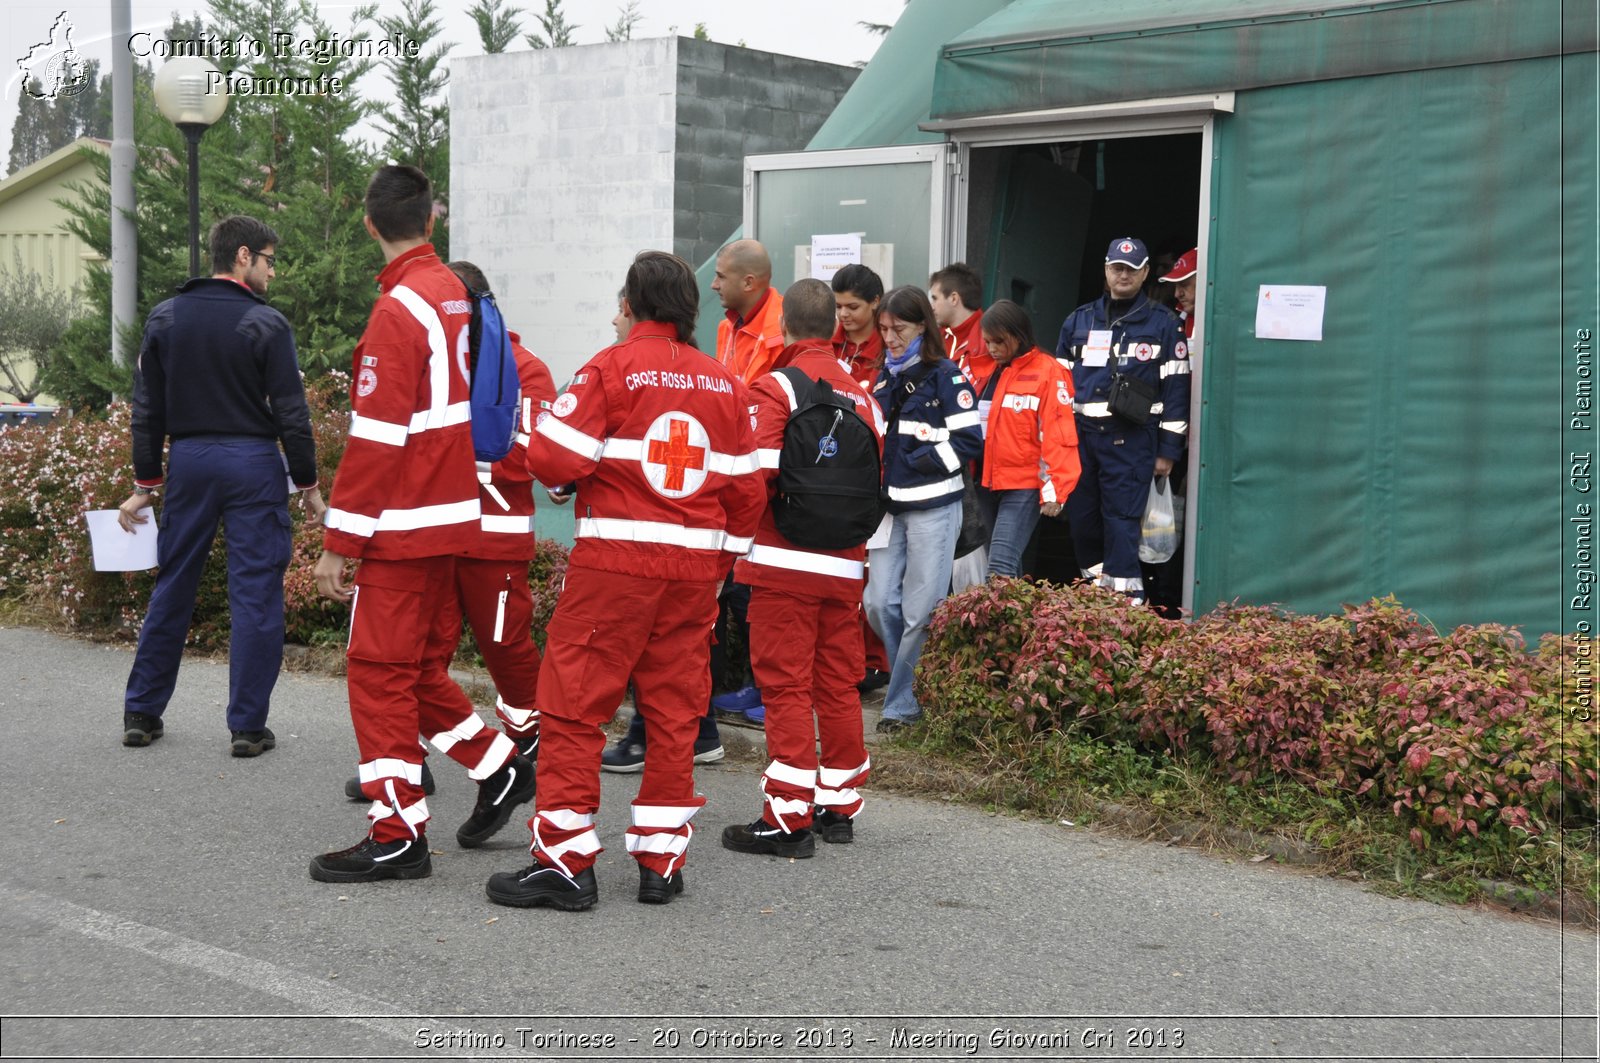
(1045, 54)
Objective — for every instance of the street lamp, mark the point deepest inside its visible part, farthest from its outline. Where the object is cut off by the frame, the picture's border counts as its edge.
(191, 94)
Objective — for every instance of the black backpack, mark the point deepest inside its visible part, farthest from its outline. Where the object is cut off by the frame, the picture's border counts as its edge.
(830, 472)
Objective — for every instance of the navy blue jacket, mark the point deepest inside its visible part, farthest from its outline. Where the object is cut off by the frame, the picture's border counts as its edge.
(1146, 342)
(217, 360)
(933, 431)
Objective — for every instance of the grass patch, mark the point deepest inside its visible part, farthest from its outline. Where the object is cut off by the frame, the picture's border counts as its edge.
(1078, 776)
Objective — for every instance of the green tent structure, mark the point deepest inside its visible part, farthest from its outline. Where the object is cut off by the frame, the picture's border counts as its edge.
(1426, 168)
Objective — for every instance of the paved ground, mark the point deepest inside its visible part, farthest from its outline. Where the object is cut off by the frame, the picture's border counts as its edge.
(154, 903)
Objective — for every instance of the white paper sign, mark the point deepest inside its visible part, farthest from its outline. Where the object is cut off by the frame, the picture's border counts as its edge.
(829, 254)
(1097, 349)
(1290, 311)
(116, 550)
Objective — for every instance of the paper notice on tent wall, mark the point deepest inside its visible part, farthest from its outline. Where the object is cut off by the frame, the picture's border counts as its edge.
(1290, 311)
(877, 257)
(830, 254)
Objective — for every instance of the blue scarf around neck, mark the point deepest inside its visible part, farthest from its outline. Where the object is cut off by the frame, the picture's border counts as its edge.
(909, 355)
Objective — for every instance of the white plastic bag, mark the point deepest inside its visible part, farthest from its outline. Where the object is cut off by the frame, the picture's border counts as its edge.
(1158, 539)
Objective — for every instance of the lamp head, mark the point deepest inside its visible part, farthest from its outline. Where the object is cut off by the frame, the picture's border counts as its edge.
(190, 90)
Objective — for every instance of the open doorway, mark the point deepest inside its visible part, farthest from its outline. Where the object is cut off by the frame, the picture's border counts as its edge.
(1038, 219)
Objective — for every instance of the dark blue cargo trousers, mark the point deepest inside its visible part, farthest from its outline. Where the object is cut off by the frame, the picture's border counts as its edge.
(239, 482)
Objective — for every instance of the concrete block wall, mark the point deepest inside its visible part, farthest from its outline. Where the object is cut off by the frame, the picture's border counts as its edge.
(566, 162)
(734, 102)
(561, 169)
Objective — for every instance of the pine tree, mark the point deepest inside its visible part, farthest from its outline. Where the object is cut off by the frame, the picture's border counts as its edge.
(627, 18)
(417, 121)
(558, 32)
(290, 160)
(497, 26)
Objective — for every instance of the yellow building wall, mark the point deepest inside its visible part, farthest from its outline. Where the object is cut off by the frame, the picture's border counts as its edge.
(33, 228)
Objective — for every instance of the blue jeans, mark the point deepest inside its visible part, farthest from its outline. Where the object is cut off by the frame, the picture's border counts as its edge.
(1013, 514)
(910, 577)
(237, 481)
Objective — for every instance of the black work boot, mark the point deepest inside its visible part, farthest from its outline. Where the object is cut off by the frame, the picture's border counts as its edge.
(763, 837)
(659, 889)
(140, 728)
(501, 792)
(372, 861)
(538, 886)
(352, 785)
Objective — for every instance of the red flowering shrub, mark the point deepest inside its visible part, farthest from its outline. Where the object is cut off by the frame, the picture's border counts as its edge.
(1470, 742)
(1247, 684)
(1460, 735)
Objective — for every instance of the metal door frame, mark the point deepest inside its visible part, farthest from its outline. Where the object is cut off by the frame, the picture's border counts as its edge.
(935, 155)
(1164, 116)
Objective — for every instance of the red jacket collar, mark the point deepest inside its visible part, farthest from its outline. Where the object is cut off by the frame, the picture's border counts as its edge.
(810, 350)
(642, 329)
(396, 270)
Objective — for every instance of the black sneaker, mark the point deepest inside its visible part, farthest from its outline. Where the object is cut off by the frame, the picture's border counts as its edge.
(372, 861)
(708, 750)
(507, 788)
(658, 889)
(140, 728)
(873, 680)
(626, 757)
(352, 785)
(836, 828)
(763, 837)
(253, 743)
(890, 724)
(538, 886)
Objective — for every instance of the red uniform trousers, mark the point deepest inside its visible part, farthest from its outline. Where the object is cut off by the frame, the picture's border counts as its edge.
(405, 622)
(499, 606)
(608, 626)
(877, 656)
(807, 655)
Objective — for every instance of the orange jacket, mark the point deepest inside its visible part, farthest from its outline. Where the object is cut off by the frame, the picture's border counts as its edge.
(964, 346)
(750, 350)
(1030, 438)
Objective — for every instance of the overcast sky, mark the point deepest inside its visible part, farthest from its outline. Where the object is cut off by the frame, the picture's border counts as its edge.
(815, 29)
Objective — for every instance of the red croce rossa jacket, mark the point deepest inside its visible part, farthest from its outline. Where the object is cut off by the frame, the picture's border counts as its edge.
(407, 486)
(657, 436)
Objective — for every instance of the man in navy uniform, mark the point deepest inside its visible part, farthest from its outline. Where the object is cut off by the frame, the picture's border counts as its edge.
(1130, 381)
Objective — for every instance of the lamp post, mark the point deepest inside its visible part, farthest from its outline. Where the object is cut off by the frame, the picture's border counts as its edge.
(192, 95)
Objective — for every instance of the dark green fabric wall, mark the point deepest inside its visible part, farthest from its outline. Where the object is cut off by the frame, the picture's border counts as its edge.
(1416, 450)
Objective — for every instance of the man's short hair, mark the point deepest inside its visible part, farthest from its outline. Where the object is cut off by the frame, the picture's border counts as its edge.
(856, 279)
(661, 287)
(808, 312)
(399, 202)
(747, 257)
(234, 232)
(962, 280)
(470, 275)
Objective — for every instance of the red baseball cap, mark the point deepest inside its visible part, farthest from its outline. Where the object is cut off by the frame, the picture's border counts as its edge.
(1184, 268)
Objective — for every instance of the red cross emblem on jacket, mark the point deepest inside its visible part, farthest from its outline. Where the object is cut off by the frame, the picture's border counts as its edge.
(676, 447)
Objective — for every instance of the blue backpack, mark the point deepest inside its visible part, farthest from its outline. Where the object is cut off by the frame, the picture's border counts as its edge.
(496, 388)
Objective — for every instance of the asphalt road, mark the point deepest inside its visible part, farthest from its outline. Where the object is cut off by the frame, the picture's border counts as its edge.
(154, 903)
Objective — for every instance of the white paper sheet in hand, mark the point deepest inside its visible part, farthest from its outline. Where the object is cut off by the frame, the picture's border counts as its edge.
(117, 551)
(880, 538)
